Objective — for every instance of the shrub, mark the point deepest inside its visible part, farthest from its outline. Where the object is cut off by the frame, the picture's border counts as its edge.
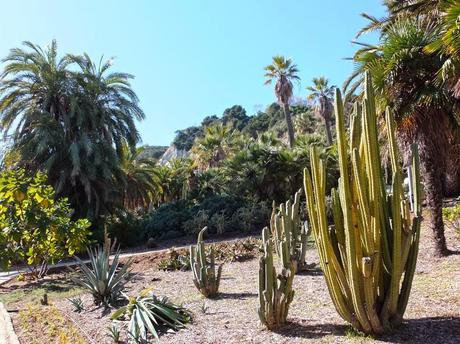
(220, 222)
(105, 280)
(149, 314)
(167, 217)
(451, 217)
(252, 217)
(175, 261)
(34, 226)
(198, 221)
(126, 227)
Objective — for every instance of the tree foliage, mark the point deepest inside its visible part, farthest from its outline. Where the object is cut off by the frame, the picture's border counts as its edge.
(34, 226)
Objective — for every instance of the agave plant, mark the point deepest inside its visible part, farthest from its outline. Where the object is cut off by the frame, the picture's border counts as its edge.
(105, 280)
(149, 313)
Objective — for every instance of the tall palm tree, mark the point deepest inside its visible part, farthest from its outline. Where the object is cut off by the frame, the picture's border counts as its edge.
(283, 71)
(322, 94)
(71, 122)
(404, 76)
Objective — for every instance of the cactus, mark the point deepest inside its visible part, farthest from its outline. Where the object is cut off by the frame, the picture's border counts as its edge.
(285, 225)
(369, 255)
(275, 291)
(205, 277)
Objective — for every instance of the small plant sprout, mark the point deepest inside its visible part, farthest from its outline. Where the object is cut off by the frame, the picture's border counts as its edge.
(77, 304)
(114, 333)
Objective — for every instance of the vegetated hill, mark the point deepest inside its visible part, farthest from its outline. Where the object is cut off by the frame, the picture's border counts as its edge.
(272, 119)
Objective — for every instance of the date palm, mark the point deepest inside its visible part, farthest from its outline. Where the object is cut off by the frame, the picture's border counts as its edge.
(283, 72)
(321, 94)
(405, 79)
(70, 122)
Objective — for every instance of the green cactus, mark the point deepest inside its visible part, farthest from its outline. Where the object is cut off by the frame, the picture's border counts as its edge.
(285, 225)
(369, 255)
(275, 291)
(205, 277)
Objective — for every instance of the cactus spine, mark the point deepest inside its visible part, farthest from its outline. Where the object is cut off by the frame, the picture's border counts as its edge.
(275, 291)
(205, 277)
(285, 225)
(368, 257)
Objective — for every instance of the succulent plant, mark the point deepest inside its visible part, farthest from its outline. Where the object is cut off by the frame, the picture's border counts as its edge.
(369, 255)
(285, 225)
(148, 313)
(275, 291)
(205, 276)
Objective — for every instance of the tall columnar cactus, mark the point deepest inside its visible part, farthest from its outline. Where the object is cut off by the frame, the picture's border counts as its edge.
(205, 277)
(275, 291)
(285, 225)
(369, 255)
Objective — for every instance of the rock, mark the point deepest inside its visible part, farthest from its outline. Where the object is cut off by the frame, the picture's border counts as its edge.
(172, 153)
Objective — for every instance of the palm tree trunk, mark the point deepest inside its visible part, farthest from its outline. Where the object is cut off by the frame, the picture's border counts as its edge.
(452, 177)
(327, 123)
(290, 127)
(432, 138)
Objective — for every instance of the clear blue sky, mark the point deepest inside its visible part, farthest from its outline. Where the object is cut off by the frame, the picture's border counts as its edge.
(195, 58)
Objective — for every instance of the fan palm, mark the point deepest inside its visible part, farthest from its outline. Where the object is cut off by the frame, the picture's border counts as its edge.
(214, 146)
(283, 71)
(405, 79)
(71, 122)
(321, 94)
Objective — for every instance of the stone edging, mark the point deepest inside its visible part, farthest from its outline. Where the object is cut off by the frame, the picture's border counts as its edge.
(7, 334)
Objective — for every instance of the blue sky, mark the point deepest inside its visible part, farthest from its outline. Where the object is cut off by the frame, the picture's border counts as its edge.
(195, 58)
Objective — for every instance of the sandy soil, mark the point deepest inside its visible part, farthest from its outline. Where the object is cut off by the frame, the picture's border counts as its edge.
(432, 316)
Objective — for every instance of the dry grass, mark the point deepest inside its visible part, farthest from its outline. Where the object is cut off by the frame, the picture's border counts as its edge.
(432, 316)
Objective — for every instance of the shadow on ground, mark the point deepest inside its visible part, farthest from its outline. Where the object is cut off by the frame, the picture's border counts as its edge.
(432, 330)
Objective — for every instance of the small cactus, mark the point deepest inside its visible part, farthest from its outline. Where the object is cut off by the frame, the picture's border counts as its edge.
(285, 225)
(205, 277)
(275, 291)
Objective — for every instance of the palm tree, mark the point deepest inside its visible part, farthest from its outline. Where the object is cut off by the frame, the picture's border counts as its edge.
(140, 180)
(283, 71)
(404, 76)
(214, 146)
(71, 122)
(321, 95)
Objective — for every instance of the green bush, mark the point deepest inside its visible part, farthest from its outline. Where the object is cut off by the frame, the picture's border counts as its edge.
(34, 226)
(127, 228)
(451, 217)
(166, 218)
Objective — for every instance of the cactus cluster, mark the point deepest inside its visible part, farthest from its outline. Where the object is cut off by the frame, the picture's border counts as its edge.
(369, 255)
(286, 226)
(275, 291)
(205, 277)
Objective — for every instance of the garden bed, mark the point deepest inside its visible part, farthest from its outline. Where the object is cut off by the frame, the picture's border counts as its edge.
(432, 316)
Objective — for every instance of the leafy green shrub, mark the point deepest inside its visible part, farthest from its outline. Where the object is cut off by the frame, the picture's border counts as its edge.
(167, 217)
(252, 217)
(150, 314)
(105, 280)
(126, 227)
(175, 261)
(451, 217)
(219, 203)
(34, 227)
(198, 221)
(220, 222)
